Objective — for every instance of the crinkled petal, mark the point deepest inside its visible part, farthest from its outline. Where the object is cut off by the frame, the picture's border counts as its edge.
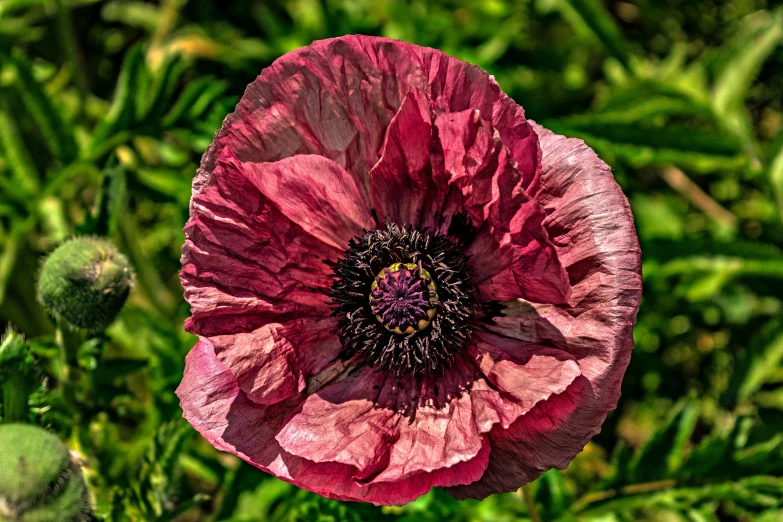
(335, 98)
(213, 403)
(592, 228)
(391, 429)
(524, 373)
(315, 193)
(518, 135)
(511, 253)
(341, 423)
(275, 361)
(403, 185)
(244, 262)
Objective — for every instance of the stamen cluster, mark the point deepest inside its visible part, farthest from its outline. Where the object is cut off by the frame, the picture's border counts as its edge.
(418, 262)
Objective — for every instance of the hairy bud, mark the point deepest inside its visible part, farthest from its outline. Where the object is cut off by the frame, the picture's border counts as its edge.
(39, 481)
(85, 281)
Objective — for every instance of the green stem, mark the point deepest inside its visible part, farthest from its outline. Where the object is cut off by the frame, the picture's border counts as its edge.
(530, 503)
(149, 281)
(17, 157)
(68, 36)
(15, 400)
(69, 340)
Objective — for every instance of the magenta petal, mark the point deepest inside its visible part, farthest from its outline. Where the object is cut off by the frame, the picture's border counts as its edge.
(591, 225)
(333, 98)
(512, 255)
(403, 187)
(548, 436)
(283, 188)
(316, 194)
(275, 361)
(512, 246)
(244, 262)
(468, 145)
(518, 135)
(341, 423)
(442, 432)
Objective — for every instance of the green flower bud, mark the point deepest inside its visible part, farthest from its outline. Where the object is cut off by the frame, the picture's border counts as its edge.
(85, 281)
(17, 376)
(39, 481)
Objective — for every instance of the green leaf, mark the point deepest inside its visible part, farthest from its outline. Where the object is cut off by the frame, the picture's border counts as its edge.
(761, 358)
(117, 367)
(122, 114)
(58, 134)
(11, 246)
(712, 453)
(166, 182)
(18, 158)
(731, 87)
(134, 14)
(662, 455)
(770, 516)
(206, 99)
(667, 250)
(593, 14)
(242, 480)
(156, 484)
(765, 457)
(640, 146)
(730, 266)
(186, 100)
(163, 84)
(120, 506)
(110, 203)
(620, 468)
(671, 137)
(776, 178)
(552, 494)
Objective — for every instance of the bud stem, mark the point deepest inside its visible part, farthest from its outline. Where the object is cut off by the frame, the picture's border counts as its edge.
(69, 340)
(15, 399)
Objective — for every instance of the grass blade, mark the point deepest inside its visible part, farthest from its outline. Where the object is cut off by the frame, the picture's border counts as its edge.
(56, 132)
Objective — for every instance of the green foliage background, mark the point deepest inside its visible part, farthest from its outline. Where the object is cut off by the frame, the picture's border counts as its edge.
(107, 106)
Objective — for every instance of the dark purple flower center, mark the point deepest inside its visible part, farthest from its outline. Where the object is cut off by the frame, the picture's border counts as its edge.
(403, 298)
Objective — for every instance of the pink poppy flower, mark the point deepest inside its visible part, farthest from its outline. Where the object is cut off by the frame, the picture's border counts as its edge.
(398, 282)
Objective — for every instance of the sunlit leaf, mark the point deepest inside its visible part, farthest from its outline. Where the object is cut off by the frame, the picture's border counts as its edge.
(123, 109)
(601, 23)
(58, 134)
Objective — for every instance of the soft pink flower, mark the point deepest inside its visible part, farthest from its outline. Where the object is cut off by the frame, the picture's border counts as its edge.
(399, 282)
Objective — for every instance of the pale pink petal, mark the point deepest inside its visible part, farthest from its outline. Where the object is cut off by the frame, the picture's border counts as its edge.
(275, 361)
(392, 429)
(213, 403)
(524, 373)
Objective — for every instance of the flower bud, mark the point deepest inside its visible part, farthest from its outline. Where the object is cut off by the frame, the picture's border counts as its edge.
(39, 481)
(85, 281)
(17, 376)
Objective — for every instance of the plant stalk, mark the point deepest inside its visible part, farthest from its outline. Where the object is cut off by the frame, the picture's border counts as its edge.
(15, 400)
(69, 340)
(530, 503)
